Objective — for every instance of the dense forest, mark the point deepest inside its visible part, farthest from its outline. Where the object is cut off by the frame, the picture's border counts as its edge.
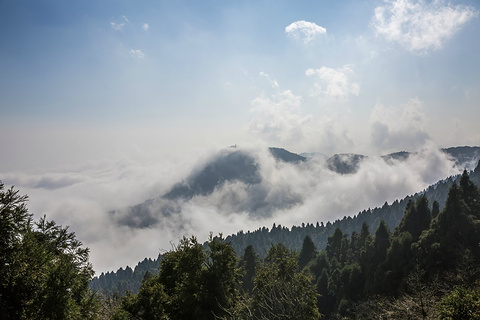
(427, 267)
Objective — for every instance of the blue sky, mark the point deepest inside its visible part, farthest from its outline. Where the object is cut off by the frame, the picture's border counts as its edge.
(203, 64)
(110, 103)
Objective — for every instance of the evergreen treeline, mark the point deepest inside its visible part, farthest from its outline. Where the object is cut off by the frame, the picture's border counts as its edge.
(262, 239)
(125, 279)
(426, 268)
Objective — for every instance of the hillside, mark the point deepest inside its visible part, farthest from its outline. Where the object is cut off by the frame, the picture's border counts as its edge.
(262, 238)
(425, 268)
(235, 166)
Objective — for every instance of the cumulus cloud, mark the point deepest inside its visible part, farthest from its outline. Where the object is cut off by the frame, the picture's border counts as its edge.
(278, 118)
(304, 31)
(137, 53)
(335, 84)
(420, 25)
(333, 136)
(399, 128)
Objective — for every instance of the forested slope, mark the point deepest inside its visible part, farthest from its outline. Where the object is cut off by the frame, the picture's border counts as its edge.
(262, 238)
(425, 268)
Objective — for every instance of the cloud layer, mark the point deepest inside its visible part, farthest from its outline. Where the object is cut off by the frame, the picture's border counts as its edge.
(288, 194)
(278, 119)
(335, 84)
(418, 25)
(305, 31)
(399, 129)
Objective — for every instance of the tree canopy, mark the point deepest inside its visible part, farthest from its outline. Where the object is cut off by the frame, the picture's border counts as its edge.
(44, 270)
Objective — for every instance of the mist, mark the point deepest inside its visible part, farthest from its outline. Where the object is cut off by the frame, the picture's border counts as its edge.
(94, 198)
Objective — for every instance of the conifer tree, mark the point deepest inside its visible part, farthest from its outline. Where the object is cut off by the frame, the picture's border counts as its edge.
(44, 270)
(307, 253)
(249, 263)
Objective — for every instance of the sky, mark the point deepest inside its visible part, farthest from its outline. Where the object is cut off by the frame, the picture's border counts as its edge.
(108, 103)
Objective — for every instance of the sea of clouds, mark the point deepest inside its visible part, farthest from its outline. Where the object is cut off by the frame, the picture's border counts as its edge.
(288, 194)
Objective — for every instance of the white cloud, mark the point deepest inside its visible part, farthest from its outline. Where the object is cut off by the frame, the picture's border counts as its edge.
(333, 136)
(273, 82)
(278, 119)
(399, 129)
(117, 26)
(137, 53)
(334, 84)
(146, 26)
(304, 30)
(121, 25)
(83, 196)
(420, 26)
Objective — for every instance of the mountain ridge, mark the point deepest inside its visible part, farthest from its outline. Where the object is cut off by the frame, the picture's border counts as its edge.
(391, 213)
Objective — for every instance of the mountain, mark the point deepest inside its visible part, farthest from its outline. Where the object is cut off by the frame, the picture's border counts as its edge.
(232, 165)
(262, 238)
(348, 163)
(396, 156)
(464, 156)
(345, 163)
(226, 167)
(237, 166)
(286, 156)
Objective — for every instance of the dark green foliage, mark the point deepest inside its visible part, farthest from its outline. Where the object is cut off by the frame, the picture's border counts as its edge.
(293, 237)
(148, 304)
(281, 292)
(124, 280)
(403, 274)
(221, 277)
(308, 252)
(44, 271)
(462, 304)
(249, 263)
(435, 209)
(417, 218)
(194, 282)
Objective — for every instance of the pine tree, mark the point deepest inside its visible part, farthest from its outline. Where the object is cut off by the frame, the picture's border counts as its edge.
(249, 263)
(307, 253)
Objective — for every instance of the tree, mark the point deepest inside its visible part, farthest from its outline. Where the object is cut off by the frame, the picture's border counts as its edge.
(194, 282)
(181, 276)
(148, 304)
(461, 304)
(280, 291)
(44, 270)
(307, 253)
(435, 209)
(417, 217)
(470, 194)
(249, 264)
(335, 244)
(221, 278)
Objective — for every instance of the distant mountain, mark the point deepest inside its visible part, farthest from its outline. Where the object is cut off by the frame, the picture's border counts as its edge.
(263, 238)
(236, 165)
(227, 166)
(345, 163)
(396, 156)
(286, 156)
(464, 156)
(348, 163)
